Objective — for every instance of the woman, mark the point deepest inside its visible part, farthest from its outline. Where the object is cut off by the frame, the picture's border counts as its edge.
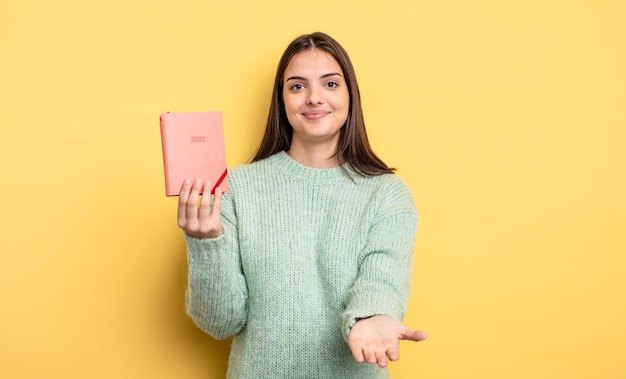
(306, 260)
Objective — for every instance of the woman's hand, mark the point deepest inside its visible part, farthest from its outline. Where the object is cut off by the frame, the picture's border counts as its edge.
(376, 339)
(199, 221)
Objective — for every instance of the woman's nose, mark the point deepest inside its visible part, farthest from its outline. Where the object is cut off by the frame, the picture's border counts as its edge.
(314, 96)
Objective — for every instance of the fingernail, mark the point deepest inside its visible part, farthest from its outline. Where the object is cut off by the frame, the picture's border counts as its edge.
(187, 181)
(198, 181)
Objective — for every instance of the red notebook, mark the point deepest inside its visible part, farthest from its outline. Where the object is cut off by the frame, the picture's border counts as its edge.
(193, 147)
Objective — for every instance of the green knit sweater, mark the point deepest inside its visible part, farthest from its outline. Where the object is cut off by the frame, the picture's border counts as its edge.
(304, 253)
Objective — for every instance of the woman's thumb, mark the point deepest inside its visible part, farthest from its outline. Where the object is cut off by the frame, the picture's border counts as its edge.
(413, 335)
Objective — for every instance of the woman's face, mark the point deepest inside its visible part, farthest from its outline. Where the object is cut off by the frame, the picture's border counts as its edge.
(316, 97)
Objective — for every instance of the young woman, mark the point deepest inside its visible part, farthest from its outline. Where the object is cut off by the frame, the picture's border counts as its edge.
(306, 260)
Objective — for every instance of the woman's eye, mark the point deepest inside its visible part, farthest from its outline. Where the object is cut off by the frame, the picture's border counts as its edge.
(296, 87)
(332, 84)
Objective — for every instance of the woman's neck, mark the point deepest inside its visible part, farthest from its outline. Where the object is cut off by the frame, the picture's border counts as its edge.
(314, 156)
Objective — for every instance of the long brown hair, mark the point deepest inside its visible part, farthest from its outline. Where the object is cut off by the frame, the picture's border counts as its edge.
(353, 146)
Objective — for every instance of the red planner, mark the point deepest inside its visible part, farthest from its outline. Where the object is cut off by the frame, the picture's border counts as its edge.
(193, 147)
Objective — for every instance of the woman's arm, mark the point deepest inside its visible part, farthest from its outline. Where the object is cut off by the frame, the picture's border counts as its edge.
(377, 301)
(217, 293)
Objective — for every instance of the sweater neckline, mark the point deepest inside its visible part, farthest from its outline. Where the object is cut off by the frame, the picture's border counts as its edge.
(285, 164)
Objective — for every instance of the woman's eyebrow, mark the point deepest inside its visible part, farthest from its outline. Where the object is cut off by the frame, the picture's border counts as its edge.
(295, 77)
(330, 74)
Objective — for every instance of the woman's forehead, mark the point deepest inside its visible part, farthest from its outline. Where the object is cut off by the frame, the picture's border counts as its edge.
(312, 61)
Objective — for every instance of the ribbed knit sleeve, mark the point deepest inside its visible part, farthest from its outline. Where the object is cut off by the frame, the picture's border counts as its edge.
(383, 284)
(217, 294)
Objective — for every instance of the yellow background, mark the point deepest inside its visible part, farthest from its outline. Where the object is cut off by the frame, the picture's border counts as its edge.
(506, 118)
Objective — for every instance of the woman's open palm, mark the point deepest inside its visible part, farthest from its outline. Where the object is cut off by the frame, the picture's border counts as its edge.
(376, 339)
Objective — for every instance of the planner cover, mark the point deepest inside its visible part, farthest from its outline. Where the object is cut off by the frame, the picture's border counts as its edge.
(193, 147)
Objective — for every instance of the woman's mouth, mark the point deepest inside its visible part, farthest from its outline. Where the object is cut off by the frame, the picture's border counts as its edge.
(315, 115)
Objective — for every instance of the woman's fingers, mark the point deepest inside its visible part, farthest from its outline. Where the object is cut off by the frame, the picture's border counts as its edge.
(381, 358)
(183, 197)
(370, 356)
(376, 339)
(393, 353)
(204, 213)
(217, 204)
(414, 335)
(198, 216)
(192, 204)
(375, 355)
(357, 353)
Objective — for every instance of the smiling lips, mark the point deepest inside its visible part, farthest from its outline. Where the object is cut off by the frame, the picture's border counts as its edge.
(315, 115)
